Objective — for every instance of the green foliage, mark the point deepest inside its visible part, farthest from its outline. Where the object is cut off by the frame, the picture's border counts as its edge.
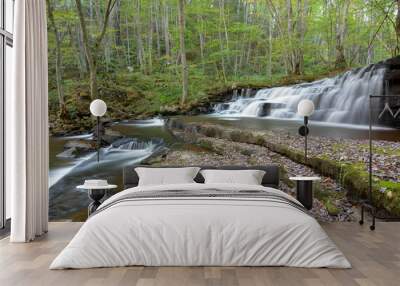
(328, 197)
(226, 42)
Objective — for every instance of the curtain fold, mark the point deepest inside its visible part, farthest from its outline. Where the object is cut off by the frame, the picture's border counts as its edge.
(27, 123)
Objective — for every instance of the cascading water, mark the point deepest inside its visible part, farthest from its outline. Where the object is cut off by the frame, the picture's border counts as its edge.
(125, 151)
(129, 144)
(342, 99)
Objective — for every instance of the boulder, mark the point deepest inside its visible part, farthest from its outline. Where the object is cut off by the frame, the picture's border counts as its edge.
(110, 136)
(80, 144)
(267, 107)
(69, 153)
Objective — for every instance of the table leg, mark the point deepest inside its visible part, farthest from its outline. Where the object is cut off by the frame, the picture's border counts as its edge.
(95, 196)
(305, 193)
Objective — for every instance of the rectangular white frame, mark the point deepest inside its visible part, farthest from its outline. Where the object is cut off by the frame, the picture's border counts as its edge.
(6, 39)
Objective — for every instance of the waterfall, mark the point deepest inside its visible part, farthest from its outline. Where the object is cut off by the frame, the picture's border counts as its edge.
(341, 99)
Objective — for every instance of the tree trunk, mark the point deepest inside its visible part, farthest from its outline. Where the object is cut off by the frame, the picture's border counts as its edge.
(93, 79)
(92, 51)
(76, 43)
(397, 51)
(166, 30)
(270, 27)
(290, 59)
(63, 114)
(139, 42)
(202, 42)
(185, 70)
(117, 23)
(302, 7)
(150, 40)
(221, 40)
(157, 27)
(128, 44)
(222, 11)
(341, 27)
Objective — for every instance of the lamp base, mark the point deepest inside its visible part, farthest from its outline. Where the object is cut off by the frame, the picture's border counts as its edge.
(303, 130)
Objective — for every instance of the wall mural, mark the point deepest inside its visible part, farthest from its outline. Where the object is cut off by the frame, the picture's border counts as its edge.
(214, 82)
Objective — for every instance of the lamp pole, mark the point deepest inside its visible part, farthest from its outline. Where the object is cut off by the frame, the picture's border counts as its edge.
(98, 139)
(305, 138)
(305, 108)
(98, 108)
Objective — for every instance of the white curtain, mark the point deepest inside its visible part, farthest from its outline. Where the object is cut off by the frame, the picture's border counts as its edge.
(27, 124)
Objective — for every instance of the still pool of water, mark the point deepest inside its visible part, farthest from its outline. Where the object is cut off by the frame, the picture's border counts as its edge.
(317, 128)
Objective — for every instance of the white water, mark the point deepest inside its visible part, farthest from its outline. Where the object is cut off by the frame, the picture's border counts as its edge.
(154, 122)
(82, 136)
(124, 154)
(342, 99)
(57, 174)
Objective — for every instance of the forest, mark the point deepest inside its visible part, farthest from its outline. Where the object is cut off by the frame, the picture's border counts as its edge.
(148, 56)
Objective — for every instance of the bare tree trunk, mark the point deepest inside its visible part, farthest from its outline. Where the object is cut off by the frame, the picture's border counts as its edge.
(128, 43)
(75, 42)
(222, 11)
(302, 8)
(106, 40)
(117, 23)
(107, 53)
(139, 42)
(63, 114)
(248, 53)
(185, 70)
(202, 41)
(93, 78)
(341, 27)
(282, 32)
(92, 51)
(221, 45)
(221, 39)
(289, 35)
(150, 40)
(270, 30)
(166, 30)
(397, 51)
(157, 26)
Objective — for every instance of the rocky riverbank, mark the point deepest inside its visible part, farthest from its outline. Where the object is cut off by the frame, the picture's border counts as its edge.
(344, 160)
(340, 162)
(330, 202)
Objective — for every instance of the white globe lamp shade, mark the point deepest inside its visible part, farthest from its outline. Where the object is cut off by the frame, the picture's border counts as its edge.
(98, 107)
(305, 107)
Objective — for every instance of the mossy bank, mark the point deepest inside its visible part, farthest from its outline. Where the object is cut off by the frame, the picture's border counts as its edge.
(351, 175)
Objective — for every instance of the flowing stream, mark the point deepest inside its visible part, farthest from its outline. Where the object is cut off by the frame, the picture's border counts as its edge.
(141, 139)
(341, 111)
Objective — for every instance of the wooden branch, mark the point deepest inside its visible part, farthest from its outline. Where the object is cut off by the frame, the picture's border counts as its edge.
(274, 13)
(84, 30)
(380, 26)
(110, 6)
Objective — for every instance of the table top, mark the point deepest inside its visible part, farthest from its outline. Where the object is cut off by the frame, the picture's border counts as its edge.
(106, 187)
(305, 178)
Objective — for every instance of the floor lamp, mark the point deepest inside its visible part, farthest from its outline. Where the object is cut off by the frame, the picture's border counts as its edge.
(98, 108)
(305, 108)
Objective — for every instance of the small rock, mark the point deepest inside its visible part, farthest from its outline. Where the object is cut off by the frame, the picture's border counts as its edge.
(69, 153)
(81, 144)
